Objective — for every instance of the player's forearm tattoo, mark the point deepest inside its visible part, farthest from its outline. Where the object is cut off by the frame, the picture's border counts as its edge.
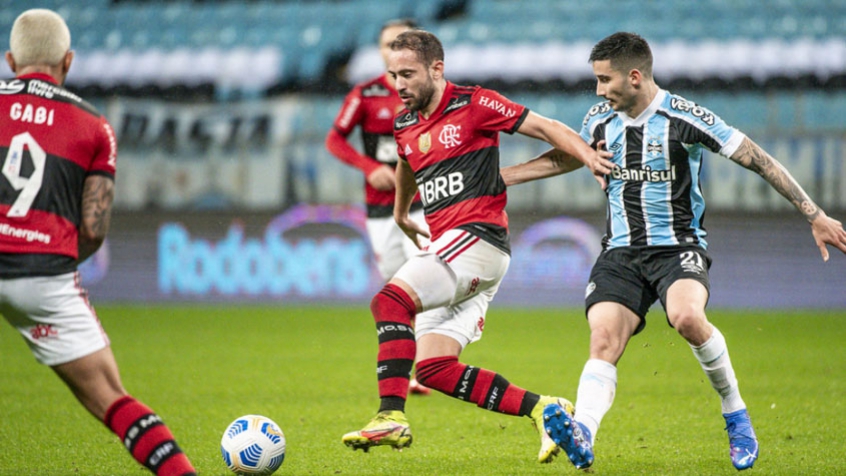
(756, 159)
(562, 161)
(557, 158)
(97, 205)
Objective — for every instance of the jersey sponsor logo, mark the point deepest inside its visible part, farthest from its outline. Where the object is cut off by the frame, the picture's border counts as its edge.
(49, 91)
(386, 150)
(11, 87)
(408, 119)
(439, 188)
(24, 234)
(457, 103)
(346, 117)
(449, 136)
(480, 324)
(645, 174)
(693, 109)
(596, 109)
(615, 147)
(407, 150)
(34, 115)
(497, 106)
(424, 142)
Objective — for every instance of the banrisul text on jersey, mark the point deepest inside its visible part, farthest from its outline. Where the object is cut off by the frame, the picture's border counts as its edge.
(654, 193)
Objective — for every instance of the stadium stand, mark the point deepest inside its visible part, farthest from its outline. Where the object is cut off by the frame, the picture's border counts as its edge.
(779, 70)
(321, 45)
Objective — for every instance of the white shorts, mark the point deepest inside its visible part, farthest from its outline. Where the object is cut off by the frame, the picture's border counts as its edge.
(53, 315)
(391, 246)
(456, 278)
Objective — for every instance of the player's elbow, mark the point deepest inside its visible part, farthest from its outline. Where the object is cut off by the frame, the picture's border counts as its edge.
(333, 140)
(92, 235)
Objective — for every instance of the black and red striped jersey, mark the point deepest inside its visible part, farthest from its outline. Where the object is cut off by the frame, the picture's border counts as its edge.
(454, 154)
(50, 141)
(371, 106)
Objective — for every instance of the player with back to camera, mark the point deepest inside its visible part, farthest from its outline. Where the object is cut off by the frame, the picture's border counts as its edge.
(56, 191)
(372, 105)
(448, 143)
(654, 246)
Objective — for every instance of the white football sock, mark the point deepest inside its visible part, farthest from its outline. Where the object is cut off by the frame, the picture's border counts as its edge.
(597, 387)
(714, 358)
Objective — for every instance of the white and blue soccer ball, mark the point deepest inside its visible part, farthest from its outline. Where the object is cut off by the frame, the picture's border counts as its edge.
(253, 444)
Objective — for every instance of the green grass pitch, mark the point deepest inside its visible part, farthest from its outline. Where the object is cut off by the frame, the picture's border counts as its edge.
(311, 369)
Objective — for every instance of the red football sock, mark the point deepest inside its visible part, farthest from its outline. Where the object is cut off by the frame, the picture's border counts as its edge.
(394, 310)
(147, 438)
(485, 388)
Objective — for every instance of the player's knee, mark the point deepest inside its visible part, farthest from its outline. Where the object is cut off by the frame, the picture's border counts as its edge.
(392, 302)
(689, 323)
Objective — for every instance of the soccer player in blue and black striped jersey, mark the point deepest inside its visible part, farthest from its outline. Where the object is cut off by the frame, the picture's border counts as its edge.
(654, 245)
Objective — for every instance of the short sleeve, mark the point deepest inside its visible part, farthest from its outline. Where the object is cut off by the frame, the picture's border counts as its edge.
(494, 112)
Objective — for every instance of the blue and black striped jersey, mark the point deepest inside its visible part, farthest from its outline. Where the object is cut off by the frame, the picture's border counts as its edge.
(654, 194)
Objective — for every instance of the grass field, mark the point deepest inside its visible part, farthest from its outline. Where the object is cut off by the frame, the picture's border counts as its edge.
(312, 370)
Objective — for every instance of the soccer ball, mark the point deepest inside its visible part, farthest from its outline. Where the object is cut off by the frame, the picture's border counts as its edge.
(253, 444)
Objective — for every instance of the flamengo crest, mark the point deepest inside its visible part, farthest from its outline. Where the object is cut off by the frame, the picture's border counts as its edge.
(449, 136)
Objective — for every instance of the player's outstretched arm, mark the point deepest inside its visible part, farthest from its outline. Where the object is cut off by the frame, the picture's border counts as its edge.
(826, 230)
(561, 137)
(406, 189)
(98, 193)
(550, 163)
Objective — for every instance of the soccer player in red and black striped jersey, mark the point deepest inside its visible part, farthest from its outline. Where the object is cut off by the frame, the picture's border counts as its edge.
(56, 189)
(371, 106)
(448, 144)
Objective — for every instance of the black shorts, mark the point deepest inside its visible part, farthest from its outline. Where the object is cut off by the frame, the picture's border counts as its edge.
(638, 276)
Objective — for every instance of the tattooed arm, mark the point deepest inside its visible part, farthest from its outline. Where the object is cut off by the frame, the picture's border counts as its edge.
(97, 196)
(550, 163)
(825, 230)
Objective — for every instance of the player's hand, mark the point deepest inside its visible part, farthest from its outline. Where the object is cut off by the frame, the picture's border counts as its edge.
(827, 230)
(600, 164)
(413, 230)
(383, 178)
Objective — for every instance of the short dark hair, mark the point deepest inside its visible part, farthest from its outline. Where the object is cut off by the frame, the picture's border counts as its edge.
(426, 45)
(409, 23)
(626, 51)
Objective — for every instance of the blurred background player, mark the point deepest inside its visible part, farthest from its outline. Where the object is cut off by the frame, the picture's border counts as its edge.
(448, 141)
(654, 247)
(56, 196)
(372, 105)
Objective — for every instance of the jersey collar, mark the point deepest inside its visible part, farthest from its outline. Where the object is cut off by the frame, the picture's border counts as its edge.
(41, 76)
(647, 113)
(445, 97)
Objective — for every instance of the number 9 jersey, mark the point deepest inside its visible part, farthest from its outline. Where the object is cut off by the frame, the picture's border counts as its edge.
(50, 141)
